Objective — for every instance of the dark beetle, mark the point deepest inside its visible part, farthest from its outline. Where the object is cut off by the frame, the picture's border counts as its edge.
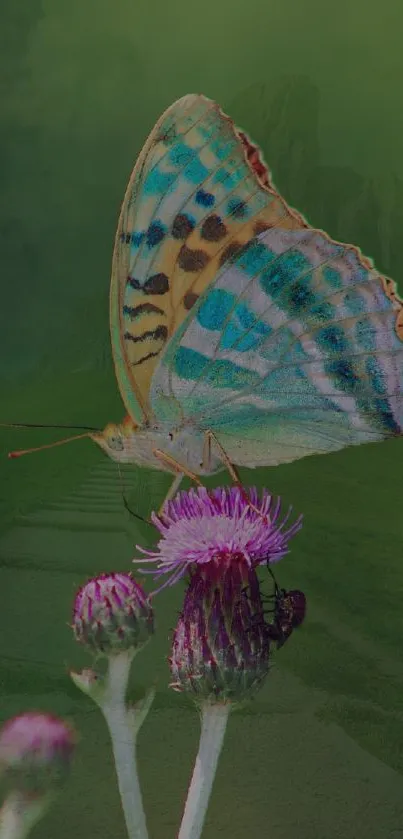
(287, 610)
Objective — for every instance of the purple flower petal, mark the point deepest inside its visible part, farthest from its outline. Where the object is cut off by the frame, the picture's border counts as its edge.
(220, 527)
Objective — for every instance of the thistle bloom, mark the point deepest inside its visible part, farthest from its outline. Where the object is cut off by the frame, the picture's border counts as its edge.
(219, 528)
(112, 614)
(35, 753)
(221, 643)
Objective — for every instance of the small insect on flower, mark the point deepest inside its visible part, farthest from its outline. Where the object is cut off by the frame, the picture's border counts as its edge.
(289, 610)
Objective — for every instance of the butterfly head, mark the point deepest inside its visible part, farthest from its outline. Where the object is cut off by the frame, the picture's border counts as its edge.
(116, 439)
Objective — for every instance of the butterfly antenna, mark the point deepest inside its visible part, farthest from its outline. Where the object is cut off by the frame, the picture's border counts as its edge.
(45, 425)
(20, 452)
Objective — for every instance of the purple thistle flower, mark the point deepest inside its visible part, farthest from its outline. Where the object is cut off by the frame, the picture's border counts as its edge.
(218, 527)
(112, 614)
(35, 752)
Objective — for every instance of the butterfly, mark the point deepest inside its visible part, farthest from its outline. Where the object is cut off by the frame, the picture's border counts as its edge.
(241, 335)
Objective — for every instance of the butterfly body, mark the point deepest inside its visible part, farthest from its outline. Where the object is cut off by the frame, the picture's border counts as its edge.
(187, 446)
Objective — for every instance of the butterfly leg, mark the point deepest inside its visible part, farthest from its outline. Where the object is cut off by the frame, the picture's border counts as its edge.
(211, 438)
(174, 487)
(179, 469)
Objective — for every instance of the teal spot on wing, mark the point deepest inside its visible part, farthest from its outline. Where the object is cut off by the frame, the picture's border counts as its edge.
(195, 171)
(289, 275)
(343, 375)
(222, 150)
(322, 311)
(376, 375)
(206, 130)
(244, 331)
(288, 281)
(296, 264)
(158, 183)
(273, 281)
(247, 319)
(136, 240)
(300, 297)
(238, 208)
(365, 334)
(332, 339)
(223, 374)
(228, 179)
(254, 258)
(190, 364)
(385, 417)
(355, 303)
(215, 309)
(359, 274)
(333, 278)
(180, 154)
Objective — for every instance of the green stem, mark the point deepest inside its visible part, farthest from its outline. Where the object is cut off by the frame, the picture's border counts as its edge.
(123, 731)
(214, 723)
(18, 815)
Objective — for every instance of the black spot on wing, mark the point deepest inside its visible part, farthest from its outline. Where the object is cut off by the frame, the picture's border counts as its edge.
(157, 284)
(182, 226)
(158, 334)
(213, 229)
(145, 358)
(229, 253)
(192, 260)
(134, 312)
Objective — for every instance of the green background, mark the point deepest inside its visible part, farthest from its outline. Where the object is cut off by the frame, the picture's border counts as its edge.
(318, 85)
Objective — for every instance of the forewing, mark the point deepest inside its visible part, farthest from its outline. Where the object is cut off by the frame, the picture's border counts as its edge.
(199, 191)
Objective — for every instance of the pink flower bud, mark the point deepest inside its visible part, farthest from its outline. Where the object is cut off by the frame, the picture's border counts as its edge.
(35, 752)
(112, 613)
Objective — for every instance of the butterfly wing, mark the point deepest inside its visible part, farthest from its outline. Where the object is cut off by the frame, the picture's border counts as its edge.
(296, 348)
(196, 196)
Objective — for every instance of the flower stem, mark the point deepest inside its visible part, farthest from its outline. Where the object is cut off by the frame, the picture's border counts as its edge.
(18, 815)
(214, 723)
(123, 731)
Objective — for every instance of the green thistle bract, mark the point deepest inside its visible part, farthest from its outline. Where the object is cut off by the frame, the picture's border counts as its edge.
(220, 649)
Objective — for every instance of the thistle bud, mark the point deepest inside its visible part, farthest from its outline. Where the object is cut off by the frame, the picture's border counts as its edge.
(112, 614)
(35, 753)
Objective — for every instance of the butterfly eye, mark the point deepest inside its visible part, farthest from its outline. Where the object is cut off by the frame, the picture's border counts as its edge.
(116, 444)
